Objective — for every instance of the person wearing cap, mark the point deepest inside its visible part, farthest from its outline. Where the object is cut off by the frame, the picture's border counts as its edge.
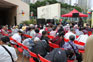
(71, 32)
(17, 37)
(4, 55)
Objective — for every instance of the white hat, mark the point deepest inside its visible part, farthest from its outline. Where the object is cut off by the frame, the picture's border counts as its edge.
(36, 39)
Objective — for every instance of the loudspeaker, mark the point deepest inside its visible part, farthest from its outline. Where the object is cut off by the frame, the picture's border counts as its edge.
(50, 21)
(75, 15)
(41, 21)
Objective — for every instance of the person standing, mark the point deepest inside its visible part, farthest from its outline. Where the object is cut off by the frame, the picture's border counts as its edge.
(88, 55)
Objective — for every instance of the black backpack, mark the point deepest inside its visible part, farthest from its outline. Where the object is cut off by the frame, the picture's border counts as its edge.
(57, 55)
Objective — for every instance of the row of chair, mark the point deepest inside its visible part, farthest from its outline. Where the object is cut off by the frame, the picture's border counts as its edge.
(33, 55)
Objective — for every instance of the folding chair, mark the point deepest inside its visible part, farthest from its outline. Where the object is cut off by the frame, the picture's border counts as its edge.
(66, 40)
(77, 36)
(81, 43)
(81, 51)
(15, 46)
(76, 42)
(53, 45)
(31, 60)
(43, 59)
(50, 37)
(70, 60)
(89, 33)
(32, 54)
(27, 35)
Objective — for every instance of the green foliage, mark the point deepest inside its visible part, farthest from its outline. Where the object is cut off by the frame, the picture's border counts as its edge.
(27, 22)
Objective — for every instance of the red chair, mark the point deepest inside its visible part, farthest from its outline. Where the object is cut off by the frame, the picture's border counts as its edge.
(76, 42)
(77, 36)
(27, 35)
(81, 51)
(15, 46)
(53, 45)
(32, 54)
(50, 37)
(70, 60)
(20, 49)
(31, 60)
(66, 40)
(25, 47)
(81, 43)
(89, 33)
(62, 48)
(43, 59)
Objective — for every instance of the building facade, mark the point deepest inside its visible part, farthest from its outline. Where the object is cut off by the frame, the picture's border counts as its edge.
(13, 12)
(83, 4)
(26, 1)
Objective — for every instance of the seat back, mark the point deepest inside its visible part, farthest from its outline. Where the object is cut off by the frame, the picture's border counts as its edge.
(53, 45)
(43, 59)
(32, 54)
(31, 60)
(50, 37)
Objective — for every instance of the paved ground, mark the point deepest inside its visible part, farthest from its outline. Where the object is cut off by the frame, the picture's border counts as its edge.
(20, 58)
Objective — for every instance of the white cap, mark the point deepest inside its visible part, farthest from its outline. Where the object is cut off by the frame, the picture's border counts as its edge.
(36, 39)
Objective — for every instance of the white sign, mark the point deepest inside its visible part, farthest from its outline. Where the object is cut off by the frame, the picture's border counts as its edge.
(49, 11)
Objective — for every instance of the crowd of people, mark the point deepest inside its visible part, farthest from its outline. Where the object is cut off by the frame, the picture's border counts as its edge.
(39, 43)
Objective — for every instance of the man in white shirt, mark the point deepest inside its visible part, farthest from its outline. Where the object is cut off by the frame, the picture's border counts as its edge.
(32, 33)
(4, 55)
(71, 32)
(17, 37)
(82, 38)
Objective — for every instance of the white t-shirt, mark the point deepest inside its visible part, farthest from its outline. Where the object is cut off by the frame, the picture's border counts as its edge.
(67, 35)
(4, 55)
(53, 33)
(82, 38)
(17, 37)
(41, 31)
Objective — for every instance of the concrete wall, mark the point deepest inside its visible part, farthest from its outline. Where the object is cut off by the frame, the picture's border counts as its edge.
(21, 6)
(49, 11)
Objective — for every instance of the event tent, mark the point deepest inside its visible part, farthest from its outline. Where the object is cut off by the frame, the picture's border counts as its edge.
(70, 14)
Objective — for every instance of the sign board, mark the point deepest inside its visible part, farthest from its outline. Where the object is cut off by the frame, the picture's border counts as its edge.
(49, 11)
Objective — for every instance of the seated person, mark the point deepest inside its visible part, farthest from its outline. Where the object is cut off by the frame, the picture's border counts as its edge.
(6, 51)
(59, 55)
(40, 47)
(29, 43)
(70, 45)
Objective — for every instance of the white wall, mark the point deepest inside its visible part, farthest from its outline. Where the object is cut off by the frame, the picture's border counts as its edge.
(49, 11)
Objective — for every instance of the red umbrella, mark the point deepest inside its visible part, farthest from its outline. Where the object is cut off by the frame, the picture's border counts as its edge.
(70, 14)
